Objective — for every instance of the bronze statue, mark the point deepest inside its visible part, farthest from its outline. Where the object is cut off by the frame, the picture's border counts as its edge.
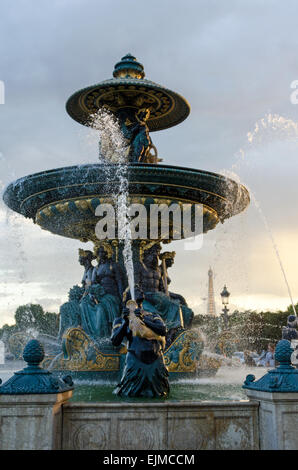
(85, 259)
(70, 313)
(107, 273)
(149, 277)
(145, 373)
(136, 133)
(102, 300)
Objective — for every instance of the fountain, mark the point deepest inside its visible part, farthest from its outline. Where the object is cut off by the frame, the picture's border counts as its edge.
(74, 202)
(133, 272)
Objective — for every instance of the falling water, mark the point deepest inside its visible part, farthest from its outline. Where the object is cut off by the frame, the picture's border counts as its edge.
(230, 174)
(284, 129)
(274, 246)
(15, 222)
(113, 150)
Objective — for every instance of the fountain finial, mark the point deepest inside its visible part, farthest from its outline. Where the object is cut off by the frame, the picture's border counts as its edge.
(33, 379)
(282, 379)
(33, 353)
(283, 353)
(129, 67)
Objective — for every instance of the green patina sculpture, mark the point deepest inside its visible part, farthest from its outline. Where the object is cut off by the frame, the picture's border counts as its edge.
(101, 301)
(149, 277)
(70, 314)
(145, 373)
(167, 259)
(136, 134)
(33, 379)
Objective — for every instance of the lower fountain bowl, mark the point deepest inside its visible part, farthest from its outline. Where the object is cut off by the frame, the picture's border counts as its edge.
(63, 201)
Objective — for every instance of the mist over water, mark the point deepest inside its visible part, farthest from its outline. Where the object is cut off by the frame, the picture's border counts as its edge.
(273, 126)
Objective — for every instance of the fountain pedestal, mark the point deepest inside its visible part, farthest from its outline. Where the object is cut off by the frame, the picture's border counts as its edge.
(277, 395)
(31, 405)
(278, 417)
(32, 422)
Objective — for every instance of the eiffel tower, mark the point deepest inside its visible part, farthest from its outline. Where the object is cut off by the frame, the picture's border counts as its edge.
(211, 303)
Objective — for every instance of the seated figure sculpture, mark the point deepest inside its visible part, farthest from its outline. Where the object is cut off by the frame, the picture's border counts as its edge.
(101, 302)
(70, 315)
(145, 373)
(148, 276)
(167, 259)
(85, 259)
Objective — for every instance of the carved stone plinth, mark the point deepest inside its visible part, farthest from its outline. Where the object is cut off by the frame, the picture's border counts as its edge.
(160, 426)
(277, 394)
(32, 422)
(278, 419)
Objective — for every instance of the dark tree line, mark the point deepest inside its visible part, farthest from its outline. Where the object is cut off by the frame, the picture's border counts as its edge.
(251, 330)
(31, 317)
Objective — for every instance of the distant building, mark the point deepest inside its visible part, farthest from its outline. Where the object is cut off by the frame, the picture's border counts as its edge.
(210, 302)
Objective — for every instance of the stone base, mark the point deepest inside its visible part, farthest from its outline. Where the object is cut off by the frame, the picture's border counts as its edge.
(31, 422)
(160, 426)
(278, 416)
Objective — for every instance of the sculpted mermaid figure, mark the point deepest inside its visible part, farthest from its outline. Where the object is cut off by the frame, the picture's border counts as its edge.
(144, 374)
(102, 300)
(167, 259)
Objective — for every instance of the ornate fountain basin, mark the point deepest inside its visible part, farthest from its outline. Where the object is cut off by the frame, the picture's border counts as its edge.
(63, 200)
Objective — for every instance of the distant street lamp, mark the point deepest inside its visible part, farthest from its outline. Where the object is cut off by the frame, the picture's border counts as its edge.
(225, 294)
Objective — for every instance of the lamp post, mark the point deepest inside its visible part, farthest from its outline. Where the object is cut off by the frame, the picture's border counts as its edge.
(225, 294)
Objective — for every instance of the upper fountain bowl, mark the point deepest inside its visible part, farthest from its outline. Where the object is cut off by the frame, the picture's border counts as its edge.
(129, 91)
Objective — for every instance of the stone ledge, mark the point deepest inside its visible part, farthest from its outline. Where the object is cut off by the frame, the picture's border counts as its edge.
(161, 426)
(166, 405)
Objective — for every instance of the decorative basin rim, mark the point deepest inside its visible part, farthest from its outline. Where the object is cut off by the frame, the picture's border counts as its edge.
(28, 194)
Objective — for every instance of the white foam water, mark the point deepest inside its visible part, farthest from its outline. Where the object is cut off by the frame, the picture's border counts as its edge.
(273, 125)
(113, 156)
(226, 375)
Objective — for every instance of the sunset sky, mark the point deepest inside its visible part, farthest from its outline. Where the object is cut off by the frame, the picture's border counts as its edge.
(233, 61)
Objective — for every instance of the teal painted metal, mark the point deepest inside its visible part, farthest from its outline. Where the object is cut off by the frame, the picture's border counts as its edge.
(283, 379)
(127, 64)
(29, 194)
(167, 108)
(33, 379)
